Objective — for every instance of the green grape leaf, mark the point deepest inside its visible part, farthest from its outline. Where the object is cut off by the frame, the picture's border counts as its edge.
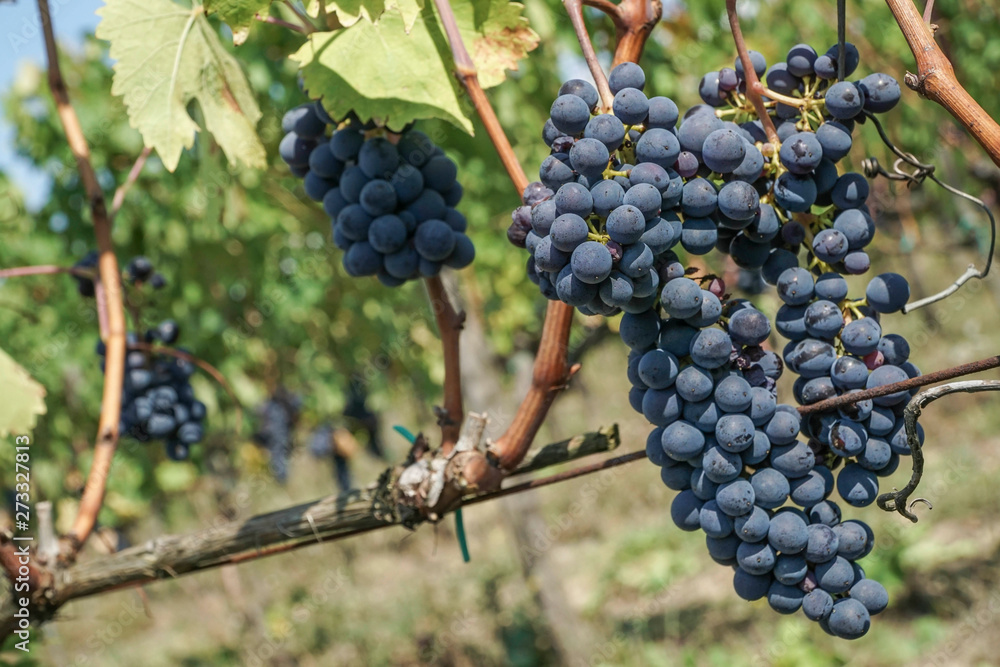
(410, 9)
(238, 14)
(496, 36)
(381, 72)
(349, 12)
(22, 399)
(169, 56)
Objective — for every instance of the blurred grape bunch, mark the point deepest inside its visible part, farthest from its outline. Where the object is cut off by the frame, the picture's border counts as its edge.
(277, 418)
(339, 442)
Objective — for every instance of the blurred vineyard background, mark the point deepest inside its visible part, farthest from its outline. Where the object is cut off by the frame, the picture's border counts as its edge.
(587, 572)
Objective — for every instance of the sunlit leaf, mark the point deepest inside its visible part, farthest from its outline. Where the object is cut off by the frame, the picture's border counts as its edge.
(22, 399)
(169, 56)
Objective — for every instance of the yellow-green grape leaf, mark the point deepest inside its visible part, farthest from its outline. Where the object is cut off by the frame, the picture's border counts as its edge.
(168, 55)
(381, 72)
(349, 12)
(410, 9)
(22, 399)
(496, 36)
(238, 14)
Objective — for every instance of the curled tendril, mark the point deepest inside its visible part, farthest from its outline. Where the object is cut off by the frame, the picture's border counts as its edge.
(922, 171)
(896, 502)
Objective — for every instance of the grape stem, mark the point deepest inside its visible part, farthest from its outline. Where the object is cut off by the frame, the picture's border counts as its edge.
(110, 279)
(575, 10)
(307, 24)
(935, 79)
(465, 69)
(905, 385)
(609, 8)
(896, 501)
(754, 87)
(283, 23)
(928, 13)
(133, 176)
(784, 99)
(450, 323)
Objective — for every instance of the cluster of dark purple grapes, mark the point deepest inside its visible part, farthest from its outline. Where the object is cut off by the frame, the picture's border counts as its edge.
(158, 402)
(620, 189)
(139, 272)
(391, 204)
(600, 221)
(277, 418)
(814, 135)
(758, 491)
(616, 196)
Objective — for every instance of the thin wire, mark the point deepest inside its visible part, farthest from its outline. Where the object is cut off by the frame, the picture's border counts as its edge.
(841, 38)
(921, 172)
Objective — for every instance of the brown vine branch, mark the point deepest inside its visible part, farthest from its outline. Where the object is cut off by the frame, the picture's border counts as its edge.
(11, 564)
(324, 520)
(19, 570)
(45, 270)
(110, 277)
(754, 87)
(203, 365)
(550, 375)
(609, 8)
(575, 10)
(928, 12)
(101, 306)
(450, 323)
(905, 385)
(638, 18)
(466, 71)
(936, 80)
(896, 501)
(133, 176)
(606, 464)
(307, 24)
(283, 23)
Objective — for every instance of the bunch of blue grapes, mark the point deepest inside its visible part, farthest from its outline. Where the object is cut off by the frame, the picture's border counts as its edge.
(391, 198)
(798, 176)
(837, 347)
(601, 219)
(620, 189)
(624, 196)
(158, 402)
(138, 272)
(753, 474)
(277, 418)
